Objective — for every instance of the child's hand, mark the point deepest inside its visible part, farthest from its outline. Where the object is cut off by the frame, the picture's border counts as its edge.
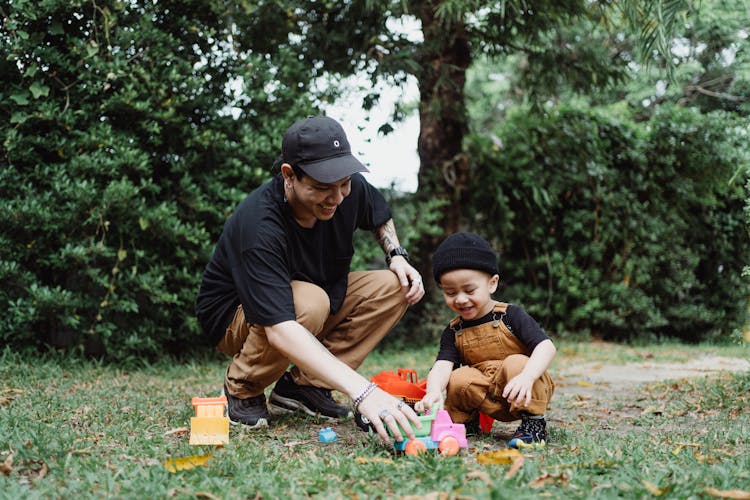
(428, 401)
(518, 390)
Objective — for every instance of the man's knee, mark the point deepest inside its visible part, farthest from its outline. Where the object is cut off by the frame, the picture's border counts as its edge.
(311, 305)
(379, 283)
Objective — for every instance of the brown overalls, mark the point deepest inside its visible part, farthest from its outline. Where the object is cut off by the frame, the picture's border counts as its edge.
(491, 355)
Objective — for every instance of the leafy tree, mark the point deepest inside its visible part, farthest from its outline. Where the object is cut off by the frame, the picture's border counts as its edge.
(129, 131)
(342, 38)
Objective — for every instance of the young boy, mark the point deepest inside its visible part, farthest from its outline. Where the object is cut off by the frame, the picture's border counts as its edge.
(493, 356)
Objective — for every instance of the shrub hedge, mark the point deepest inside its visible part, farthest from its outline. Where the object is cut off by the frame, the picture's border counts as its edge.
(122, 154)
(615, 227)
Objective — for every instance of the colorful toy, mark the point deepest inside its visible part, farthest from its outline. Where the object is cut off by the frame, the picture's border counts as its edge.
(405, 384)
(327, 435)
(438, 431)
(209, 425)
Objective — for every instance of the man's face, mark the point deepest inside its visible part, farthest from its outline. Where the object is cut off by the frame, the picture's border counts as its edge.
(312, 200)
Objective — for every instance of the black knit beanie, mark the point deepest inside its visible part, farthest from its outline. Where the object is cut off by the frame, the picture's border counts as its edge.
(463, 251)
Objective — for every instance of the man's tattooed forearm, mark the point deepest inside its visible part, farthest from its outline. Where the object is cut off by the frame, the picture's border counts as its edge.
(386, 236)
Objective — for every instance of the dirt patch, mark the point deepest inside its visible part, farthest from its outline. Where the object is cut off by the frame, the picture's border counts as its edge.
(590, 378)
(613, 397)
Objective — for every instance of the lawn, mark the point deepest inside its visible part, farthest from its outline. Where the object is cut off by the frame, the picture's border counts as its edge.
(72, 428)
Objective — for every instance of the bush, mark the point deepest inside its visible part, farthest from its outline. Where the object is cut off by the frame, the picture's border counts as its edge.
(124, 150)
(618, 228)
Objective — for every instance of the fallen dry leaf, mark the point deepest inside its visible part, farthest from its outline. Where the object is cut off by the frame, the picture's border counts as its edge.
(42, 472)
(499, 457)
(548, 478)
(186, 463)
(583, 383)
(481, 475)
(178, 430)
(515, 467)
(12, 390)
(733, 494)
(205, 494)
(295, 443)
(653, 489)
(653, 410)
(7, 466)
(709, 459)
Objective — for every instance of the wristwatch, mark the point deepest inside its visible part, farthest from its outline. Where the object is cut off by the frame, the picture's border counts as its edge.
(396, 251)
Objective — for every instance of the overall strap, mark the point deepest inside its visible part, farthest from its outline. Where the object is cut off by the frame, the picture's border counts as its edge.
(455, 324)
(500, 308)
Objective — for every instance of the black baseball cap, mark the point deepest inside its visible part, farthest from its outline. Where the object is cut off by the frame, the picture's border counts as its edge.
(318, 145)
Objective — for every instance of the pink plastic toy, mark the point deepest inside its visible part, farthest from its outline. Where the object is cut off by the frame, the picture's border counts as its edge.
(438, 431)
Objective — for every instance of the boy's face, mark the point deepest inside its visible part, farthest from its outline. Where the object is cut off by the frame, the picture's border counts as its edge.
(468, 292)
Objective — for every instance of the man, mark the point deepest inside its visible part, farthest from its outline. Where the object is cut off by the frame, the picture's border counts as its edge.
(278, 288)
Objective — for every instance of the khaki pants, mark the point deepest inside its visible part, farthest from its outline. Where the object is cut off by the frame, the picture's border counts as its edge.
(492, 356)
(480, 387)
(373, 305)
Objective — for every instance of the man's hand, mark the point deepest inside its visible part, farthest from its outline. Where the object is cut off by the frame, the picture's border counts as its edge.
(411, 281)
(382, 410)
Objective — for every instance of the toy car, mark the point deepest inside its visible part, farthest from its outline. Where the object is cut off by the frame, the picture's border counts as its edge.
(438, 431)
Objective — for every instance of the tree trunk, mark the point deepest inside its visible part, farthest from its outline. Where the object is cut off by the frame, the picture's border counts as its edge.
(443, 171)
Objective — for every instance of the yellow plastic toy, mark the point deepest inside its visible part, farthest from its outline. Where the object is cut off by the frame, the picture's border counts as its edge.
(209, 425)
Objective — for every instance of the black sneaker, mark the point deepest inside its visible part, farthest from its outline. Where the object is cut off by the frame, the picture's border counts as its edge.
(251, 412)
(532, 433)
(290, 397)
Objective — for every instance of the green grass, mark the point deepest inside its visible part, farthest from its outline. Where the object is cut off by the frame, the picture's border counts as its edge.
(72, 428)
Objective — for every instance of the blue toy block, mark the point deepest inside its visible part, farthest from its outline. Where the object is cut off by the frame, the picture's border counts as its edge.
(327, 435)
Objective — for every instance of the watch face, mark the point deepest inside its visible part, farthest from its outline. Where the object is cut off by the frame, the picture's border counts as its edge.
(399, 251)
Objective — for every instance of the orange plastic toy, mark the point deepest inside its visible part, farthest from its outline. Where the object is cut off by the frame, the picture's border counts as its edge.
(404, 384)
(209, 425)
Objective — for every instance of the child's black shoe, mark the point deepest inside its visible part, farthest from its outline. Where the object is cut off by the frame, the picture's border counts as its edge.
(532, 433)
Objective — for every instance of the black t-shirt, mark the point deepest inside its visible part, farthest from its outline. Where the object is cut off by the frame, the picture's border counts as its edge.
(519, 322)
(262, 248)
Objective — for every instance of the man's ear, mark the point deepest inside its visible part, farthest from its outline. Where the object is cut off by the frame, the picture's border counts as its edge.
(287, 171)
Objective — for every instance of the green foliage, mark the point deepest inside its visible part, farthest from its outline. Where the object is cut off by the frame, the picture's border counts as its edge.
(125, 145)
(617, 227)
